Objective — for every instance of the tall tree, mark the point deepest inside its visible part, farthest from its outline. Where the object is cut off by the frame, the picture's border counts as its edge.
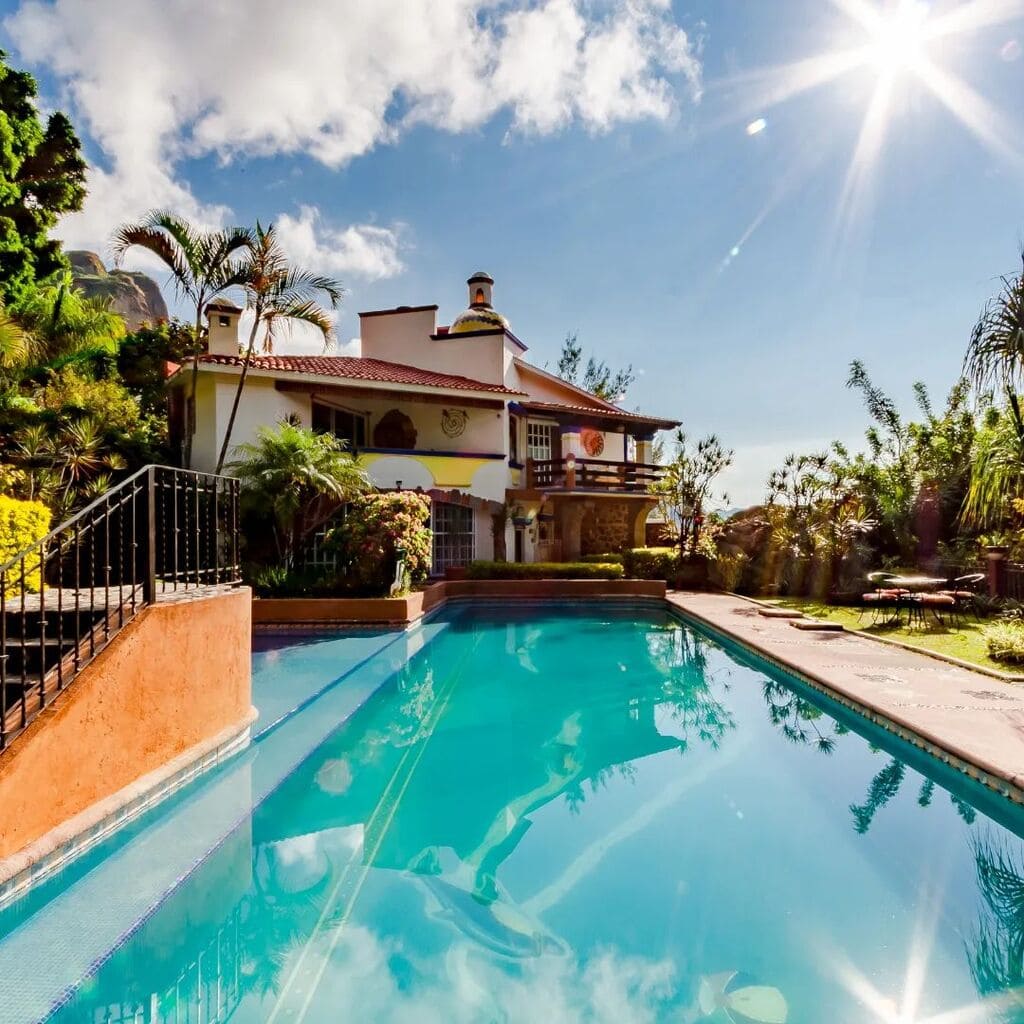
(278, 294)
(203, 264)
(594, 375)
(42, 176)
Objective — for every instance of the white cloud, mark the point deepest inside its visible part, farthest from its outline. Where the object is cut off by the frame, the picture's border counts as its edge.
(164, 80)
(362, 249)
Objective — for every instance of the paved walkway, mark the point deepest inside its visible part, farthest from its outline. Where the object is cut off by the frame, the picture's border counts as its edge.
(974, 718)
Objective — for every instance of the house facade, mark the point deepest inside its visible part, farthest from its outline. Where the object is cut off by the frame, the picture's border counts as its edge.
(517, 462)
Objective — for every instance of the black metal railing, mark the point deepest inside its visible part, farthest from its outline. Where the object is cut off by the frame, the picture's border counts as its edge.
(592, 474)
(63, 598)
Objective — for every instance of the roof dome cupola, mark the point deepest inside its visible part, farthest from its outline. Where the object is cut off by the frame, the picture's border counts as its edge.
(481, 315)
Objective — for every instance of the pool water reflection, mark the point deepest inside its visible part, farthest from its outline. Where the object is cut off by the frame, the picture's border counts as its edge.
(595, 814)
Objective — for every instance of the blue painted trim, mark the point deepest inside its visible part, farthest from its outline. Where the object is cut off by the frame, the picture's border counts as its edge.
(413, 452)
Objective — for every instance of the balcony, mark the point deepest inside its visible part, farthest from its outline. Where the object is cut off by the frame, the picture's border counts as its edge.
(594, 475)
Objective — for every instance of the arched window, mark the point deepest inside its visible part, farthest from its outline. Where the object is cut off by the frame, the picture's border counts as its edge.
(479, 299)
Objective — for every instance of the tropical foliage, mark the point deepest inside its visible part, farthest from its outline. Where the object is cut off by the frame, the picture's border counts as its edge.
(278, 295)
(202, 264)
(377, 531)
(686, 486)
(293, 481)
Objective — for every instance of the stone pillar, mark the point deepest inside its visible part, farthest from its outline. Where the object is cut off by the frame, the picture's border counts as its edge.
(638, 523)
(996, 558)
(570, 522)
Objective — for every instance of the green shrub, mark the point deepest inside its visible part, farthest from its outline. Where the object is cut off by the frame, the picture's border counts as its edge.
(280, 581)
(544, 571)
(651, 563)
(1005, 641)
(608, 558)
(375, 527)
(22, 523)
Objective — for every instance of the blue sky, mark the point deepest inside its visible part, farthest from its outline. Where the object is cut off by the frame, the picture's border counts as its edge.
(596, 161)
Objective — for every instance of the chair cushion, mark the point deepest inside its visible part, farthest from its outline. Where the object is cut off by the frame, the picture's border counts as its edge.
(937, 600)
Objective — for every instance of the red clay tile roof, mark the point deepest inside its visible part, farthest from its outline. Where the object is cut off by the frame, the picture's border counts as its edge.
(358, 368)
(607, 412)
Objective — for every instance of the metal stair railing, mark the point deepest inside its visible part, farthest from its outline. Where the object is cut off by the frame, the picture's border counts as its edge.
(64, 597)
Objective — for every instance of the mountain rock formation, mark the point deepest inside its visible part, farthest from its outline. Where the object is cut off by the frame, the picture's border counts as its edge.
(134, 295)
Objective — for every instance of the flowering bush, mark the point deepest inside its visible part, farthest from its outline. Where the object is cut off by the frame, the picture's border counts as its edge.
(21, 524)
(375, 526)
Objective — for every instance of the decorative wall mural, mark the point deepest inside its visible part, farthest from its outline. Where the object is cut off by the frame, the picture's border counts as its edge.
(453, 422)
(394, 430)
(593, 442)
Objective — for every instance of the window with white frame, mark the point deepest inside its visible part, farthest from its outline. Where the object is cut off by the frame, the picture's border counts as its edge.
(452, 526)
(540, 440)
(345, 424)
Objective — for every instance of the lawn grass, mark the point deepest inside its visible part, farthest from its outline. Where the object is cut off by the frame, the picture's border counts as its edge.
(965, 641)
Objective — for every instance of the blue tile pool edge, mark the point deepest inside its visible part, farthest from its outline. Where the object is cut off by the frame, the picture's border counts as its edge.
(842, 707)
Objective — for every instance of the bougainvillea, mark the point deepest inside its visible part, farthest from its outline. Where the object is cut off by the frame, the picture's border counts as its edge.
(375, 527)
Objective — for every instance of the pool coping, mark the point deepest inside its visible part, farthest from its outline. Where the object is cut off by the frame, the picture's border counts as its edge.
(972, 762)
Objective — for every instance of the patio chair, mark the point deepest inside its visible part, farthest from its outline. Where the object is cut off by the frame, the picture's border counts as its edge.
(964, 591)
(883, 599)
(938, 604)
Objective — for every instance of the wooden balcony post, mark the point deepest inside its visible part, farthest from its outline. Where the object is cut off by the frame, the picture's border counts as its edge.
(530, 481)
(570, 472)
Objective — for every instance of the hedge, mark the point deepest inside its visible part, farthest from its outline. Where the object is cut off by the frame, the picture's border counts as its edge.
(608, 558)
(651, 563)
(543, 571)
(22, 523)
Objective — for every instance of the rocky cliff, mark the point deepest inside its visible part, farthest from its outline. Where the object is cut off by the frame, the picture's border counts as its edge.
(134, 295)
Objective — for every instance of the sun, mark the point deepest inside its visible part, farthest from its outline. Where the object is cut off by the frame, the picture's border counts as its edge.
(899, 43)
(899, 38)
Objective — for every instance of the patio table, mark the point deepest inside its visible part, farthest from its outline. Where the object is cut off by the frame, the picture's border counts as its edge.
(917, 584)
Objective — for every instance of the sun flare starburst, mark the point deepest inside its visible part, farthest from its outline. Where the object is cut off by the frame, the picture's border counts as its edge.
(900, 44)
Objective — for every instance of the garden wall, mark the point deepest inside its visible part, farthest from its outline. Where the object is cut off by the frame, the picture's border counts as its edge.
(400, 610)
(172, 690)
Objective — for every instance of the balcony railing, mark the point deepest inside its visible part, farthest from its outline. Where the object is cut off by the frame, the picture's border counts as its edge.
(591, 475)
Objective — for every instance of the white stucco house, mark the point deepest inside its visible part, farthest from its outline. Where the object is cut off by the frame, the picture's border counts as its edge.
(456, 412)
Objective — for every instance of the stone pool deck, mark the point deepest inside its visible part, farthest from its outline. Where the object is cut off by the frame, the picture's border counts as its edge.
(970, 720)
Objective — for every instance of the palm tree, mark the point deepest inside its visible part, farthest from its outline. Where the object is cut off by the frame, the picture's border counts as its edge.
(65, 322)
(292, 473)
(201, 263)
(277, 294)
(17, 346)
(995, 354)
(995, 362)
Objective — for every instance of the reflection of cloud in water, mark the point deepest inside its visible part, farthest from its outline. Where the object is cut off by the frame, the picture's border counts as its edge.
(378, 981)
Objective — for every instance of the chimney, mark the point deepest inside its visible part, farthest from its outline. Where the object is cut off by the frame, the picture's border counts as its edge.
(480, 285)
(222, 328)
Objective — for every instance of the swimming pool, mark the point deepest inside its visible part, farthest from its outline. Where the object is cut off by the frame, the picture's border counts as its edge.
(557, 813)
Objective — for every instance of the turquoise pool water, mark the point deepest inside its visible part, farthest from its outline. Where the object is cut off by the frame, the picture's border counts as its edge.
(546, 813)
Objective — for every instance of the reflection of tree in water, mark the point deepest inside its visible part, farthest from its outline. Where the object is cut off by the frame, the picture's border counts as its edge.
(681, 658)
(799, 719)
(575, 794)
(996, 953)
(884, 787)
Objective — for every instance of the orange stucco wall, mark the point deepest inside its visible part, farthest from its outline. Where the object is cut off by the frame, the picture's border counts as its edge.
(176, 676)
(298, 610)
